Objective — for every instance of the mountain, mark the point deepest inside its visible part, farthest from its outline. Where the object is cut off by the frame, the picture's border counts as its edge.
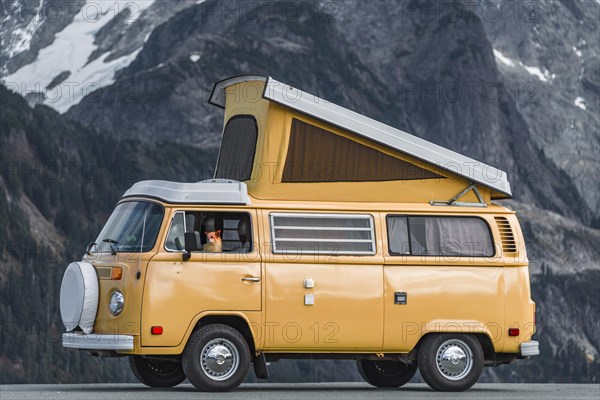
(56, 51)
(513, 84)
(551, 55)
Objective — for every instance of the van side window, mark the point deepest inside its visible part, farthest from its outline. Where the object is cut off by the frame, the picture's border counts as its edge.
(238, 146)
(333, 234)
(231, 230)
(439, 236)
(175, 237)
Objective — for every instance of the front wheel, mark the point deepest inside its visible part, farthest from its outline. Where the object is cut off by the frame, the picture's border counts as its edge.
(156, 373)
(386, 374)
(216, 358)
(450, 362)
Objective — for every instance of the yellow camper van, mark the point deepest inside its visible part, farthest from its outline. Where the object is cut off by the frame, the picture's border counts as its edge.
(324, 234)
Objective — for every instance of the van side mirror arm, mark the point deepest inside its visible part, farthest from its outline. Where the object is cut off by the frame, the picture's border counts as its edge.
(192, 243)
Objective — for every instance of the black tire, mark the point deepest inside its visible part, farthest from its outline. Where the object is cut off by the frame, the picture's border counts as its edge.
(209, 346)
(450, 362)
(386, 374)
(156, 373)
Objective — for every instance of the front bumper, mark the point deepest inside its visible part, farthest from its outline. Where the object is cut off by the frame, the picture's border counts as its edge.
(530, 348)
(95, 341)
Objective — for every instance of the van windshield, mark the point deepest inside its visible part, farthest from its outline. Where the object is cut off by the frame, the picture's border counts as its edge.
(127, 225)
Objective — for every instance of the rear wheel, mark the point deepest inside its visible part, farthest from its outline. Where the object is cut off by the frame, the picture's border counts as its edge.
(450, 362)
(386, 374)
(216, 358)
(156, 373)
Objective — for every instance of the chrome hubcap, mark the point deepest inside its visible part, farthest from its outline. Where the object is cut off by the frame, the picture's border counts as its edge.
(454, 359)
(220, 359)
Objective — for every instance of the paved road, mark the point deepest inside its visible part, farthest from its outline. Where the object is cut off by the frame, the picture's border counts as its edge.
(328, 391)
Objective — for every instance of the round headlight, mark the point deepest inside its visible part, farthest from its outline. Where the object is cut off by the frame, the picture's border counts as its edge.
(117, 301)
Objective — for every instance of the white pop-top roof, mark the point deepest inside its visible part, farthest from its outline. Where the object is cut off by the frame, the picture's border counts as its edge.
(213, 191)
(370, 129)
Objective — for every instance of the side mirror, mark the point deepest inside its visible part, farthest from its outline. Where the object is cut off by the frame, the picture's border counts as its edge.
(88, 249)
(192, 243)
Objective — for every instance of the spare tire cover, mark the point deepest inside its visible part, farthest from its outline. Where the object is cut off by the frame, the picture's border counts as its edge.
(79, 297)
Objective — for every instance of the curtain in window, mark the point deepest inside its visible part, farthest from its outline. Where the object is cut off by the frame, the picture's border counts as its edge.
(398, 235)
(458, 237)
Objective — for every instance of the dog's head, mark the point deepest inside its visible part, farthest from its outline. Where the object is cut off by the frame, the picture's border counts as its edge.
(213, 236)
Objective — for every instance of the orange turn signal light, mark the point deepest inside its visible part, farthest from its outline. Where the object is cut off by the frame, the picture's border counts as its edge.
(116, 273)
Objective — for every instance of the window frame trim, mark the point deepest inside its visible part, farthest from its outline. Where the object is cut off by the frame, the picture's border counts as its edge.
(234, 117)
(368, 217)
(249, 214)
(168, 250)
(407, 216)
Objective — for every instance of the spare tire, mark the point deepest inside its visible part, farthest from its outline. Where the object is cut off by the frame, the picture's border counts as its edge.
(79, 297)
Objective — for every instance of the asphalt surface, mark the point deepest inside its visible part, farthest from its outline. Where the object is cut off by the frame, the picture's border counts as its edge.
(329, 391)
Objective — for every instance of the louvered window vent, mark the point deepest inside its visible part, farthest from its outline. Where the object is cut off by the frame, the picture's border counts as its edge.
(508, 239)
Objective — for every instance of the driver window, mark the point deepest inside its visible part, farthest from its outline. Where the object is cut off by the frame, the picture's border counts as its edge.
(210, 232)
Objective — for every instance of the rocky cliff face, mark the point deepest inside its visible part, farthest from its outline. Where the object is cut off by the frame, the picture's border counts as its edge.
(513, 84)
(551, 50)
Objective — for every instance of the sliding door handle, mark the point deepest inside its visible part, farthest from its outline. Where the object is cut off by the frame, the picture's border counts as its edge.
(250, 279)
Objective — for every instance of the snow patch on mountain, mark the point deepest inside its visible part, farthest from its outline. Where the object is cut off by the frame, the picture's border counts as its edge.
(22, 36)
(580, 102)
(503, 59)
(70, 51)
(535, 71)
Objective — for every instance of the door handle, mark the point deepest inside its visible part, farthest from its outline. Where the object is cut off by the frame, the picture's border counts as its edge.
(250, 279)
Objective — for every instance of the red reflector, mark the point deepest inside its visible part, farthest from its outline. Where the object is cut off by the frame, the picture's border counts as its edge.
(513, 332)
(156, 330)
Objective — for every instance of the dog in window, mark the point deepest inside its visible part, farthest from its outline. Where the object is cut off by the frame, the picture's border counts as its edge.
(213, 244)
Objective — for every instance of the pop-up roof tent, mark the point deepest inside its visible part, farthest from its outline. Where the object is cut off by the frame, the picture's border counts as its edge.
(286, 144)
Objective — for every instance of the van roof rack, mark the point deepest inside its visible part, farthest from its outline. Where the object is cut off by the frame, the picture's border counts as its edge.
(212, 191)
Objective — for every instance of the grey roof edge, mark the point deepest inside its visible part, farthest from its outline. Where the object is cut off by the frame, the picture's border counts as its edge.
(313, 106)
(217, 96)
(212, 191)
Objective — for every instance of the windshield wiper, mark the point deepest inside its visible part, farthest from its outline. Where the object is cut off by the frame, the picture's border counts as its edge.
(111, 242)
